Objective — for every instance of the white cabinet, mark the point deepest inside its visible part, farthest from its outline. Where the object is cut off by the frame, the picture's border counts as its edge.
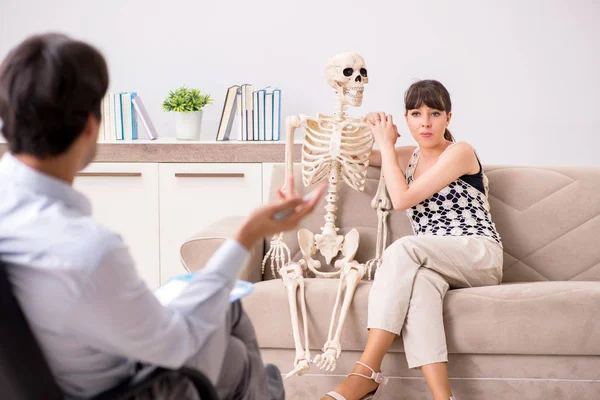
(124, 198)
(193, 196)
(267, 171)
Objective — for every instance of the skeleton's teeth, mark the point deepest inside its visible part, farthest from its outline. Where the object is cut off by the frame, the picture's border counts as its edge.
(356, 93)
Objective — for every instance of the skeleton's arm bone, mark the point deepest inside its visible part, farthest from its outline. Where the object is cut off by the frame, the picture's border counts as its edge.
(292, 123)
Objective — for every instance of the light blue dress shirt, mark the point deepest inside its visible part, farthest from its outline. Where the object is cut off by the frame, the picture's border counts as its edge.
(79, 288)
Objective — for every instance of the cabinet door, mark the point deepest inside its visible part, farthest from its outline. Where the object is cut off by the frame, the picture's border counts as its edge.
(192, 196)
(124, 198)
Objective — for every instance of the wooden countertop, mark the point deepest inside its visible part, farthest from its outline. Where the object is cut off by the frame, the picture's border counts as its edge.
(175, 151)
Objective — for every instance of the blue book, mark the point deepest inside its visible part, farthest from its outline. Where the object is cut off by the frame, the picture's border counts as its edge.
(128, 116)
(134, 122)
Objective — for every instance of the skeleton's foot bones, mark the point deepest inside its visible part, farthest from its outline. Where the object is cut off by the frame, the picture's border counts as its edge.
(328, 359)
(301, 366)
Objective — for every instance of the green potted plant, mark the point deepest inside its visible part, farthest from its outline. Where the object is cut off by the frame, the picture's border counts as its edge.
(187, 105)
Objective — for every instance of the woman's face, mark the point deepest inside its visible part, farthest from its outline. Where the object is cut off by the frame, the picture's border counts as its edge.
(427, 125)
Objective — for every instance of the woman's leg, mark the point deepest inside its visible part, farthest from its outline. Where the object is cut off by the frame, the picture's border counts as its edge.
(355, 387)
(423, 332)
(463, 261)
(436, 375)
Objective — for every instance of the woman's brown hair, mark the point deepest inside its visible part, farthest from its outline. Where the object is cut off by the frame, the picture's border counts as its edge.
(431, 93)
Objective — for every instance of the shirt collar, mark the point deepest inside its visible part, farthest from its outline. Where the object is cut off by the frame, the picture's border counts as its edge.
(38, 182)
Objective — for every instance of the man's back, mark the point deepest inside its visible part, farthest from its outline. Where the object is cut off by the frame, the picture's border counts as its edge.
(92, 314)
(53, 246)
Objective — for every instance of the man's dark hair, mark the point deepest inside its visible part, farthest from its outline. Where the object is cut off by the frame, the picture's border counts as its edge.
(49, 86)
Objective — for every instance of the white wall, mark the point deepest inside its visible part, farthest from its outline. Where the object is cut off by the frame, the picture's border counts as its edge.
(523, 75)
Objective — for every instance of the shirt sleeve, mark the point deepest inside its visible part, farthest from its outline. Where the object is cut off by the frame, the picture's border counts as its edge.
(117, 313)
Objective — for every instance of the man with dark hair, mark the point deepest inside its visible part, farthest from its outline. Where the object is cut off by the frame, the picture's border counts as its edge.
(94, 317)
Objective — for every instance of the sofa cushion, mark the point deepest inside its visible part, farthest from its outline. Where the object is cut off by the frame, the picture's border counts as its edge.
(517, 318)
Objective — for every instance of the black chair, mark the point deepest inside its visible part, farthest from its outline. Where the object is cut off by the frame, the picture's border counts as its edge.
(25, 374)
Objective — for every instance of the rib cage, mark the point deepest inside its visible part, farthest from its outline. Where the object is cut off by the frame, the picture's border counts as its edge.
(321, 148)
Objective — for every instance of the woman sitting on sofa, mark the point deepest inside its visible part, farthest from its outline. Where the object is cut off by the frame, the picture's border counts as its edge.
(442, 187)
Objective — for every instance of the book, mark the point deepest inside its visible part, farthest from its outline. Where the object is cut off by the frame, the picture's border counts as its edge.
(128, 116)
(249, 114)
(238, 116)
(101, 126)
(260, 106)
(277, 114)
(112, 132)
(255, 116)
(106, 119)
(118, 116)
(142, 114)
(229, 113)
(134, 122)
(269, 116)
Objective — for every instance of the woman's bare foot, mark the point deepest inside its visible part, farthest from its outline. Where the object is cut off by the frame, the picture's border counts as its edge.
(355, 387)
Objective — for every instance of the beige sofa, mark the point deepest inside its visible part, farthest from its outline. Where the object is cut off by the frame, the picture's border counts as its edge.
(536, 336)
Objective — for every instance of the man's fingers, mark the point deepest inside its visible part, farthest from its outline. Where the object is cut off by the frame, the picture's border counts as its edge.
(281, 194)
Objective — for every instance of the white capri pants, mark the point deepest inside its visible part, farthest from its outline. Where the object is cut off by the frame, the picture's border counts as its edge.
(409, 288)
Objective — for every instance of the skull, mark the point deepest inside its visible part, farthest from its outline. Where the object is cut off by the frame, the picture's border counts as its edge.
(347, 73)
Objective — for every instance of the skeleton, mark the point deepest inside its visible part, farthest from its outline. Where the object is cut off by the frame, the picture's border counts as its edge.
(334, 147)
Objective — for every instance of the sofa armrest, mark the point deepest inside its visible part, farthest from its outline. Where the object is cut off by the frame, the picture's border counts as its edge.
(197, 250)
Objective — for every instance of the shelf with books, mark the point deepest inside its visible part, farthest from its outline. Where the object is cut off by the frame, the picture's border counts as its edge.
(122, 113)
(250, 115)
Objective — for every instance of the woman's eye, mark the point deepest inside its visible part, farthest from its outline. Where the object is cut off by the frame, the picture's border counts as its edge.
(415, 114)
(436, 113)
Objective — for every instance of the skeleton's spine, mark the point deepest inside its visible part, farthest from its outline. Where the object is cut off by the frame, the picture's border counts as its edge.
(332, 196)
(340, 107)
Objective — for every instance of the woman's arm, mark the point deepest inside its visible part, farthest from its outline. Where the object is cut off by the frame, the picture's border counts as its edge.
(403, 154)
(452, 164)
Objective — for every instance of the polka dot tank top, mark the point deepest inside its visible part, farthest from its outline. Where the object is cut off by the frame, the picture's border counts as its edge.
(459, 209)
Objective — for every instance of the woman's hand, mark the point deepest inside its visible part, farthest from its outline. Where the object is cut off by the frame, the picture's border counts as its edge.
(384, 131)
(260, 222)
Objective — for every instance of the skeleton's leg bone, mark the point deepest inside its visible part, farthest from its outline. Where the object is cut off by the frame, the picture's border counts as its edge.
(336, 307)
(383, 204)
(353, 273)
(293, 280)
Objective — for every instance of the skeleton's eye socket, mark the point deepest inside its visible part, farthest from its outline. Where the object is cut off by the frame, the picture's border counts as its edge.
(348, 71)
(363, 72)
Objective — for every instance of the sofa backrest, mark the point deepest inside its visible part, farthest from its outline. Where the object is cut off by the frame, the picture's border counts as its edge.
(548, 218)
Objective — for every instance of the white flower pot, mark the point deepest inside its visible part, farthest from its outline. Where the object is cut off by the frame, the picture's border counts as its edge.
(188, 125)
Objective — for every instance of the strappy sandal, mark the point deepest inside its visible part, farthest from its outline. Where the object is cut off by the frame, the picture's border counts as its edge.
(378, 377)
